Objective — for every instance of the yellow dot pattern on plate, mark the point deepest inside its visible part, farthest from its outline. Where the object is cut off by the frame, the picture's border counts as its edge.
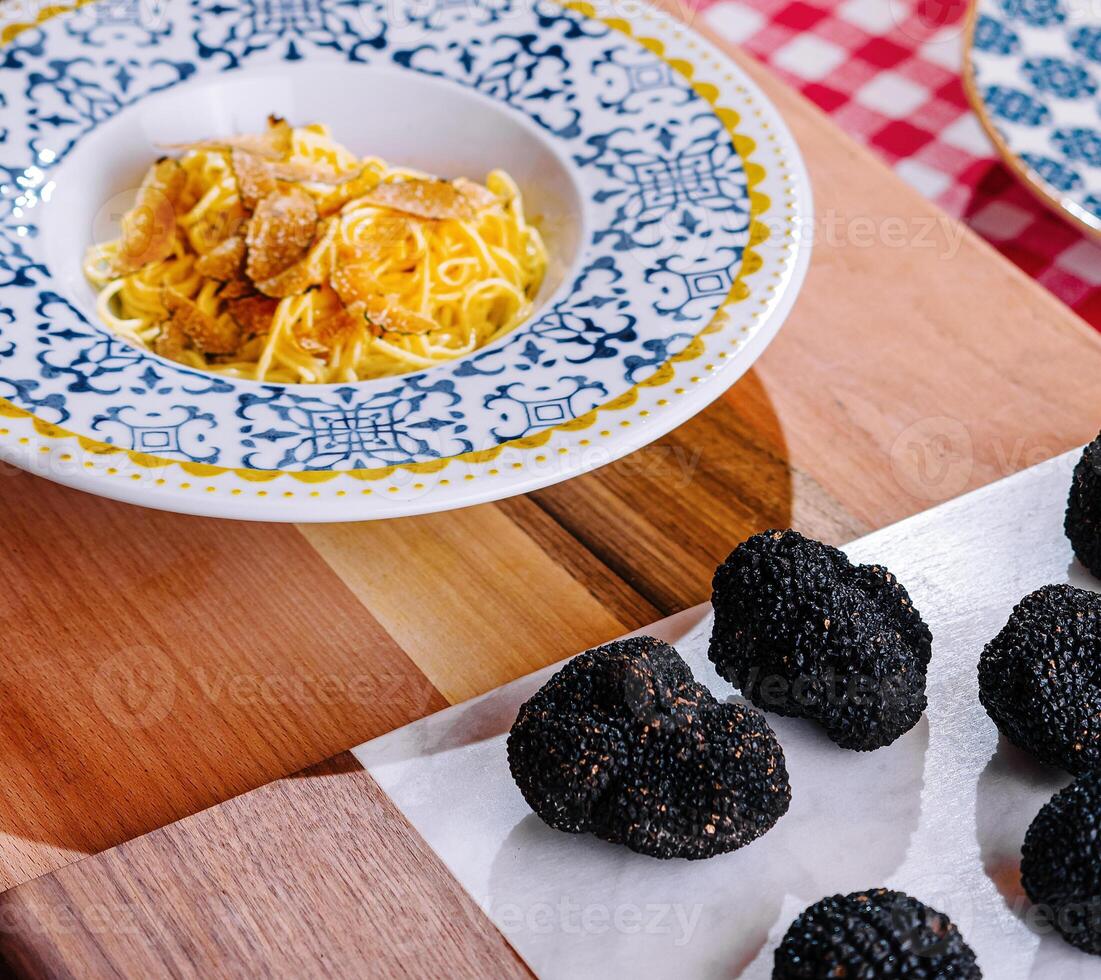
(714, 332)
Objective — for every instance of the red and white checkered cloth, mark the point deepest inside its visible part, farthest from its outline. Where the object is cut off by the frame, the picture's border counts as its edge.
(888, 72)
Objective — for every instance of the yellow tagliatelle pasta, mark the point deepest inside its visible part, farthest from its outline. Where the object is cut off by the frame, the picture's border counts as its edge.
(283, 257)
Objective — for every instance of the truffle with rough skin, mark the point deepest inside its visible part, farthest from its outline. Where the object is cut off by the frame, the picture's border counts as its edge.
(1040, 677)
(1061, 862)
(871, 935)
(1083, 520)
(801, 631)
(624, 744)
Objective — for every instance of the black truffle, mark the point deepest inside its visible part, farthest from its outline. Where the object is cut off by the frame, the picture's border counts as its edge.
(624, 744)
(871, 935)
(1061, 862)
(801, 631)
(1040, 677)
(1083, 520)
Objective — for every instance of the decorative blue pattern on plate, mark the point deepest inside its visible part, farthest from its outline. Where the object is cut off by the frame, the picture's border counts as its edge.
(663, 222)
(670, 184)
(1036, 67)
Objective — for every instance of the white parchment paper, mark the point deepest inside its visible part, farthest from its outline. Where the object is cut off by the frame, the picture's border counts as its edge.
(940, 814)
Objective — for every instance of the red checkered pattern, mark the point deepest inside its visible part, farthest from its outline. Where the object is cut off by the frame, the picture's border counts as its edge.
(888, 71)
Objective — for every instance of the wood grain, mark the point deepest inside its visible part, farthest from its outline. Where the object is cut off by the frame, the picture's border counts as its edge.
(330, 881)
(439, 554)
(906, 375)
(151, 662)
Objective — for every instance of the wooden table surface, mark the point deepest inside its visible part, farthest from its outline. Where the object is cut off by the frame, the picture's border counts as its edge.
(157, 665)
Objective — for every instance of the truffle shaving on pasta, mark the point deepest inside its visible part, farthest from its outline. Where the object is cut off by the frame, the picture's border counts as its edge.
(283, 257)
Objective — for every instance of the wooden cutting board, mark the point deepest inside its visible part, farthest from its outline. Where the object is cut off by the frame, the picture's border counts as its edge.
(157, 665)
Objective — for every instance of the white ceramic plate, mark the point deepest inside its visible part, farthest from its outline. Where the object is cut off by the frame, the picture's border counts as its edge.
(672, 198)
(1034, 77)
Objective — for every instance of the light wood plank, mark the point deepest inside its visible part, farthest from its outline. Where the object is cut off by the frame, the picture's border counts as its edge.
(937, 349)
(474, 570)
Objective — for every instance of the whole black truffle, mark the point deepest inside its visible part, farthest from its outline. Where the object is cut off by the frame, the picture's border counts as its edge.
(1083, 520)
(1061, 862)
(801, 631)
(871, 935)
(624, 744)
(1040, 677)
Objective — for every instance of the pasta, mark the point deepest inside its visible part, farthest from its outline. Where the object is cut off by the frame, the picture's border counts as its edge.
(282, 257)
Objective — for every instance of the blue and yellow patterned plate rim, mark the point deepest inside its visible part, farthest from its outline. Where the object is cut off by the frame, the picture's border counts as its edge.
(700, 228)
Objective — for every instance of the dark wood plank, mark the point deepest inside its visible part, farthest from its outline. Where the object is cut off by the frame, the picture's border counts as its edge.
(604, 583)
(329, 881)
(665, 516)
